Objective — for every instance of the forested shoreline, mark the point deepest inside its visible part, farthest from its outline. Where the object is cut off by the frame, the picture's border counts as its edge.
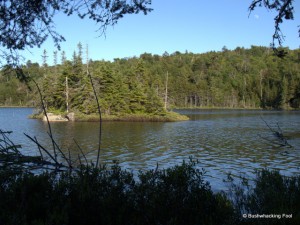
(150, 84)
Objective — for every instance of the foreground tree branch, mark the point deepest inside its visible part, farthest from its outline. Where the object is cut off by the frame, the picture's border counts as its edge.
(285, 11)
(26, 24)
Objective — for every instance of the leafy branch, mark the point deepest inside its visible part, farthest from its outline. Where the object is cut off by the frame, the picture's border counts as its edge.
(285, 11)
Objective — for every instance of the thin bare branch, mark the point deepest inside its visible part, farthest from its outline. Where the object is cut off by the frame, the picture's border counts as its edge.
(82, 153)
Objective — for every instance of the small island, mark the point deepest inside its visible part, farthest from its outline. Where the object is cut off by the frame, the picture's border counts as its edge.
(80, 117)
(124, 91)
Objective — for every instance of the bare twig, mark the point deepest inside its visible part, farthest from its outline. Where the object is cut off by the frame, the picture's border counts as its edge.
(45, 113)
(81, 153)
(41, 154)
(100, 118)
(61, 152)
(12, 158)
(40, 146)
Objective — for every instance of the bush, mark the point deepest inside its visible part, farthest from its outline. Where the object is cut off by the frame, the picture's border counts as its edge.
(179, 195)
(176, 195)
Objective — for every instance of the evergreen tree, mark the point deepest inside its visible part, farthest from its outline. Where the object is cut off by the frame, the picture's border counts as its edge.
(63, 57)
(240, 78)
(45, 58)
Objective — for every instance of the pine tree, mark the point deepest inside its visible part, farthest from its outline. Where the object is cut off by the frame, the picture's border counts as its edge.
(44, 58)
(63, 57)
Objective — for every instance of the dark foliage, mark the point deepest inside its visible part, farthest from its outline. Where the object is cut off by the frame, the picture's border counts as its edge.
(178, 195)
(270, 194)
(112, 196)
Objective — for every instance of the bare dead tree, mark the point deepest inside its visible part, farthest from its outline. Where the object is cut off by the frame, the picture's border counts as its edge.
(277, 133)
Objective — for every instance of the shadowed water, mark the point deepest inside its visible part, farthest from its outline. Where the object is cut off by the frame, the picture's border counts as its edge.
(236, 141)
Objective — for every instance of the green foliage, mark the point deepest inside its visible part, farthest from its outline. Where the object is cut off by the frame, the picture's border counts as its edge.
(12, 91)
(241, 78)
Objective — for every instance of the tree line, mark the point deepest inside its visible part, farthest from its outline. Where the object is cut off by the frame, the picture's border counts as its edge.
(150, 83)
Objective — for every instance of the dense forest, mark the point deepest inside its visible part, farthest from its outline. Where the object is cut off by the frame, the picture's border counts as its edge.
(240, 78)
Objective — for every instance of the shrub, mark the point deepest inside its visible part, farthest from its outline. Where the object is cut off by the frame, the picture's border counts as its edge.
(107, 196)
(179, 195)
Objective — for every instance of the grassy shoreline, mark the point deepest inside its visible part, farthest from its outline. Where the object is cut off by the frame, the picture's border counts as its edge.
(168, 117)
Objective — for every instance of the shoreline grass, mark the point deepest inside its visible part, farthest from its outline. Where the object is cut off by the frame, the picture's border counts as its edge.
(167, 117)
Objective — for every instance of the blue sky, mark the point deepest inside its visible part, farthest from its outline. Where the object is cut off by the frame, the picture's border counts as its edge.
(174, 25)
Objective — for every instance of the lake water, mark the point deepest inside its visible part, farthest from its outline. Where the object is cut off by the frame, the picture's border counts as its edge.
(236, 141)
